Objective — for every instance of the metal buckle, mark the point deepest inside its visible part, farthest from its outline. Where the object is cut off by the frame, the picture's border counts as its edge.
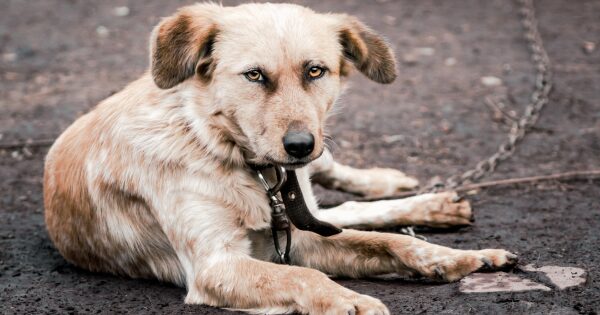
(279, 220)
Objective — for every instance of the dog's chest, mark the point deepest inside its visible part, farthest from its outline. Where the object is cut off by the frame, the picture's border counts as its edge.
(243, 197)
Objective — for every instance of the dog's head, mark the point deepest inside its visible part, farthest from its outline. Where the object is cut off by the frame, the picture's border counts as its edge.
(268, 73)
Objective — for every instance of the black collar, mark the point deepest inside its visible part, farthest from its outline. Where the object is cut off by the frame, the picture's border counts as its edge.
(287, 201)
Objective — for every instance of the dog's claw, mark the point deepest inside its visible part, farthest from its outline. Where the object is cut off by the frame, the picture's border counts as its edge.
(512, 259)
(457, 198)
(439, 273)
(487, 264)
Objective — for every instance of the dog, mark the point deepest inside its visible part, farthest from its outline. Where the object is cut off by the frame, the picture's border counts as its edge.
(155, 181)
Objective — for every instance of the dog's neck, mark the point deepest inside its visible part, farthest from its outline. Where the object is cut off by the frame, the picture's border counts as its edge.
(215, 131)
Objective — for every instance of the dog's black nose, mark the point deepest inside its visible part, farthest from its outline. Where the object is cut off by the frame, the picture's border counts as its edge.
(298, 144)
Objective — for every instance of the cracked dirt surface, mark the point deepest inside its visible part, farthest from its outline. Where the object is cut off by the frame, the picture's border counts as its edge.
(59, 58)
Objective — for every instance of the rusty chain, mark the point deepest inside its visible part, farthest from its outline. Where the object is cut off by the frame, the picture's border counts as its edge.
(520, 127)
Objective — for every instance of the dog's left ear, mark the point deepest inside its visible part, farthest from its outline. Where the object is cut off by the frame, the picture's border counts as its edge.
(181, 45)
(369, 52)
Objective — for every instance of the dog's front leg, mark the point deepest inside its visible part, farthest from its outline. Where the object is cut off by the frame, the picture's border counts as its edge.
(439, 210)
(359, 253)
(214, 250)
(373, 182)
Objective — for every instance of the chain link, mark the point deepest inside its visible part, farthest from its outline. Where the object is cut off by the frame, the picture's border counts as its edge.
(520, 127)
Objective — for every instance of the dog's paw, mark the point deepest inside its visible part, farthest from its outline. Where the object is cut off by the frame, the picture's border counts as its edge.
(461, 263)
(351, 304)
(386, 182)
(442, 210)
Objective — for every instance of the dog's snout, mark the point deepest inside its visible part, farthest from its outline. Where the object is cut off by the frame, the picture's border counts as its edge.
(299, 144)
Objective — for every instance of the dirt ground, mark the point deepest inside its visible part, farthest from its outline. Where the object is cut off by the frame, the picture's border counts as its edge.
(59, 58)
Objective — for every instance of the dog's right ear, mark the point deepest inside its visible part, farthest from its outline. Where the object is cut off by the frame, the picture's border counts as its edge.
(181, 45)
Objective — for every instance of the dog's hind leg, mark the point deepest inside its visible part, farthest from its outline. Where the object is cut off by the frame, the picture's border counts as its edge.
(373, 182)
(360, 253)
(438, 210)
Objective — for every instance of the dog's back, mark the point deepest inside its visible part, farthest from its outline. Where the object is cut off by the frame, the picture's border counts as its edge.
(93, 220)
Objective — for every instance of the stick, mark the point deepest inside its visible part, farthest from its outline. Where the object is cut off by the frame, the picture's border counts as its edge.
(573, 175)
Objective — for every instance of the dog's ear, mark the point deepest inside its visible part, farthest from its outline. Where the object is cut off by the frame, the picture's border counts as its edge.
(181, 45)
(368, 51)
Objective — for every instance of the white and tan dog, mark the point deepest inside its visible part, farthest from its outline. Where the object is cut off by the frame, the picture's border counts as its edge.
(154, 182)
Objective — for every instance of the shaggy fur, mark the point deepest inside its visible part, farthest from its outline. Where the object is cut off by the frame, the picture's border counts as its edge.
(154, 182)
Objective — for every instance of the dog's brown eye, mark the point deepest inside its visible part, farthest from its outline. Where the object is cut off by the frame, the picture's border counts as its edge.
(315, 72)
(254, 76)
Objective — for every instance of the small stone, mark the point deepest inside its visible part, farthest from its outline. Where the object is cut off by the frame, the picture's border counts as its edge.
(393, 138)
(16, 155)
(345, 144)
(389, 20)
(450, 62)
(102, 31)
(491, 81)
(589, 47)
(561, 277)
(425, 51)
(27, 152)
(121, 11)
(498, 282)
(446, 126)
(409, 59)
(9, 57)
(11, 76)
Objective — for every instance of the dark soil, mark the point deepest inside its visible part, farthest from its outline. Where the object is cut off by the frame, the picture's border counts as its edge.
(55, 66)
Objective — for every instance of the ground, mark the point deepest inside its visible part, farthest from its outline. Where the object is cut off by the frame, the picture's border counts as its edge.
(60, 58)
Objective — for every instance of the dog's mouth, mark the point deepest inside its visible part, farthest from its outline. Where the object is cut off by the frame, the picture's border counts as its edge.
(291, 164)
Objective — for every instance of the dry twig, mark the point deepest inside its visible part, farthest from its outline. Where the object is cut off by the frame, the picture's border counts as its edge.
(566, 176)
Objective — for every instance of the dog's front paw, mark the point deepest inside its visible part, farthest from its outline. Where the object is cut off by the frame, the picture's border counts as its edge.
(349, 302)
(442, 210)
(386, 182)
(460, 263)
(357, 304)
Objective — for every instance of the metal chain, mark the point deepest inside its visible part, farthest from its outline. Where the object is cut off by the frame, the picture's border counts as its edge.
(520, 127)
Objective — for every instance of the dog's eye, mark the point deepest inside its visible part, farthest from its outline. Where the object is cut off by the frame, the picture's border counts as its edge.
(315, 72)
(254, 76)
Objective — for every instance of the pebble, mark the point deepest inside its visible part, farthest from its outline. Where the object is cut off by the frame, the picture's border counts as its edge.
(412, 57)
(389, 20)
(561, 277)
(9, 57)
(446, 126)
(589, 47)
(393, 138)
(16, 155)
(450, 62)
(498, 282)
(409, 59)
(491, 81)
(121, 11)
(345, 144)
(425, 51)
(102, 31)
